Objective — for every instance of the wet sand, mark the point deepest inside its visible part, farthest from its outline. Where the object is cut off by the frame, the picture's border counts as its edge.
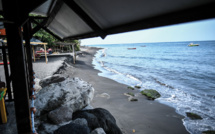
(140, 117)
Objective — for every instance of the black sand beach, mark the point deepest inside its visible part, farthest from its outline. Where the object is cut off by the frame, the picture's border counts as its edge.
(140, 117)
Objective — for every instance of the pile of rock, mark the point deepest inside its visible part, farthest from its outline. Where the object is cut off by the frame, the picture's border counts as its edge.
(60, 105)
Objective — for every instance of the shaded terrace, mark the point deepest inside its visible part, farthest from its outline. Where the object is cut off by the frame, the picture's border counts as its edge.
(79, 19)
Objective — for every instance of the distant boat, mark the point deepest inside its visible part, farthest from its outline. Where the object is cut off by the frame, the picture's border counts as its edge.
(192, 45)
(131, 48)
(143, 46)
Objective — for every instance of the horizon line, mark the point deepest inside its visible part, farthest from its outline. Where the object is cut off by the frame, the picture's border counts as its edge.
(149, 42)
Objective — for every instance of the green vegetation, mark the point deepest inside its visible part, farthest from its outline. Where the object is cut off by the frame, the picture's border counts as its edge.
(132, 94)
(137, 87)
(46, 37)
(130, 88)
(151, 94)
(193, 116)
(208, 132)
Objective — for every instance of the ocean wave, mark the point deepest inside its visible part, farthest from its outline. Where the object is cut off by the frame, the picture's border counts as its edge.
(163, 84)
(125, 75)
(134, 78)
(103, 52)
(184, 81)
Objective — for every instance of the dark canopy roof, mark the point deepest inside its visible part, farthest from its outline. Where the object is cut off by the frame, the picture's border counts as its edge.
(78, 19)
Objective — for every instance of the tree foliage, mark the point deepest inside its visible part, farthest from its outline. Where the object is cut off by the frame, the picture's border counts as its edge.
(46, 37)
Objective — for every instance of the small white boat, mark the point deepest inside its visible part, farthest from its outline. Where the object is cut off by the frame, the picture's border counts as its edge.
(192, 45)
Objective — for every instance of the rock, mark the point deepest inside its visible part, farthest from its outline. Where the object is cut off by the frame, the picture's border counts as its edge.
(193, 116)
(99, 118)
(51, 79)
(130, 88)
(132, 98)
(37, 86)
(92, 120)
(88, 107)
(73, 93)
(98, 131)
(46, 128)
(80, 121)
(129, 94)
(150, 93)
(60, 115)
(72, 128)
(104, 95)
(208, 132)
(138, 87)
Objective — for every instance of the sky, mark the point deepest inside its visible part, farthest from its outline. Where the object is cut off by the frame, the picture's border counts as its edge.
(191, 31)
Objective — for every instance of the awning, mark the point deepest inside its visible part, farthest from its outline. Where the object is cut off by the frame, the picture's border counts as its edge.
(78, 19)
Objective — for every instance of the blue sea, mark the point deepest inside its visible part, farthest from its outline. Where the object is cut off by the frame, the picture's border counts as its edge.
(184, 76)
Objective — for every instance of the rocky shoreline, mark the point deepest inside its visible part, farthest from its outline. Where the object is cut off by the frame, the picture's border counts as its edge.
(109, 102)
(63, 107)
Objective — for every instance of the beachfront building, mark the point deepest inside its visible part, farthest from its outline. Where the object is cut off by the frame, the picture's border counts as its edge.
(79, 19)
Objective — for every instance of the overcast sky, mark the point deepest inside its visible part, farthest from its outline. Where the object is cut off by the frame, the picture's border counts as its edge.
(192, 31)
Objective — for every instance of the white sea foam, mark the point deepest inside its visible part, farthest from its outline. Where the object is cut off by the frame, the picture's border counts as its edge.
(103, 53)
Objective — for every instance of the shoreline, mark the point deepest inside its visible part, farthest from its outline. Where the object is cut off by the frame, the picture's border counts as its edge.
(143, 116)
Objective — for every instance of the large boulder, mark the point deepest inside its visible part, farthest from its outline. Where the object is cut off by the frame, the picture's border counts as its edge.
(92, 120)
(60, 115)
(99, 118)
(150, 93)
(52, 79)
(37, 86)
(193, 116)
(80, 121)
(72, 128)
(98, 131)
(72, 92)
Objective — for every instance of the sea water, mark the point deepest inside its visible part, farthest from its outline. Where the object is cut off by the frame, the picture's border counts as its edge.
(184, 76)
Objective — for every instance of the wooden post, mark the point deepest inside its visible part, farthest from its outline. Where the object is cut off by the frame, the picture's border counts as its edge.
(17, 59)
(33, 53)
(27, 36)
(45, 53)
(74, 55)
(2, 107)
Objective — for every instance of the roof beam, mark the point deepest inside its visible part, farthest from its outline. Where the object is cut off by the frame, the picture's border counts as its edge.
(44, 28)
(38, 17)
(54, 12)
(39, 25)
(84, 16)
(25, 7)
(48, 19)
(51, 5)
